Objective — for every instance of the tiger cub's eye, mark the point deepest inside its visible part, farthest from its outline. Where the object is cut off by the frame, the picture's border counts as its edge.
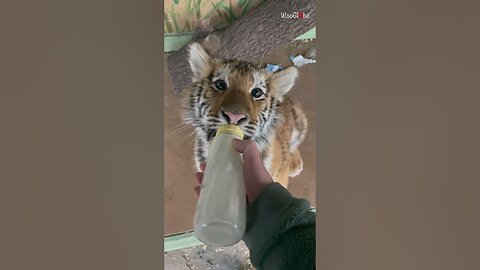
(220, 85)
(256, 92)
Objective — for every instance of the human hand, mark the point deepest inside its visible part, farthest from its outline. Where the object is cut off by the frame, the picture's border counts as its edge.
(255, 175)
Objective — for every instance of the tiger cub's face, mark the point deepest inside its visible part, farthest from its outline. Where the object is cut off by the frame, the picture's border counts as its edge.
(235, 92)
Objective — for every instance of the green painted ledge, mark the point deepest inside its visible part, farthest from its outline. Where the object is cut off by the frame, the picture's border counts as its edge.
(173, 42)
(181, 240)
(185, 240)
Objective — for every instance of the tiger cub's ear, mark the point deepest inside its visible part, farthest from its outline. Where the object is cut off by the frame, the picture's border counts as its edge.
(282, 81)
(200, 61)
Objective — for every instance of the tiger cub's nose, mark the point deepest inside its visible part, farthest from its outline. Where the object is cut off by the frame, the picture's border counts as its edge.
(233, 118)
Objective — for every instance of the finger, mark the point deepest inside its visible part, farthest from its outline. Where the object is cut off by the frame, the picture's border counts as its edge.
(202, 166)
(198, 178)
(196, 190)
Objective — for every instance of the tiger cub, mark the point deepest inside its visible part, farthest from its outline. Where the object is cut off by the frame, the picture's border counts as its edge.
(242, 93)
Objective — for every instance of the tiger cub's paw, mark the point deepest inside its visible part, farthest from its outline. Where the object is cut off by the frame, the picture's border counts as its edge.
(296, 164)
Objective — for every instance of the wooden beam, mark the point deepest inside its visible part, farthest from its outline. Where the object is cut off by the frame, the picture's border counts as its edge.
(257, 33)
(175, 41)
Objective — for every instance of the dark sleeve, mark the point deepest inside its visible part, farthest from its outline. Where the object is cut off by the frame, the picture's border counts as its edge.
(280, 232)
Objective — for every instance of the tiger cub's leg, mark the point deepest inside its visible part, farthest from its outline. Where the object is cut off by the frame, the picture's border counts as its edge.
(299, 130)
(200, 152)
(280, 156)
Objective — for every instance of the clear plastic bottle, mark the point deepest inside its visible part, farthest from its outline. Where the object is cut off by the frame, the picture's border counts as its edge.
(220, 216)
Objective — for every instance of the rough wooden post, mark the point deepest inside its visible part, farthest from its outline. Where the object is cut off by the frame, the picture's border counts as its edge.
(249, 38)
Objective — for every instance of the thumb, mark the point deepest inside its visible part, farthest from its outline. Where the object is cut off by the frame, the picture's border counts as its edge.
(255, 174)
(248, 148)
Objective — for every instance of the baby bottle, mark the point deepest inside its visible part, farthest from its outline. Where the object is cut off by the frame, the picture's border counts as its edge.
(220, 215)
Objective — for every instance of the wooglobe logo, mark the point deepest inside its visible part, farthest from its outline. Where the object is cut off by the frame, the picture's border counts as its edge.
(294, 15)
